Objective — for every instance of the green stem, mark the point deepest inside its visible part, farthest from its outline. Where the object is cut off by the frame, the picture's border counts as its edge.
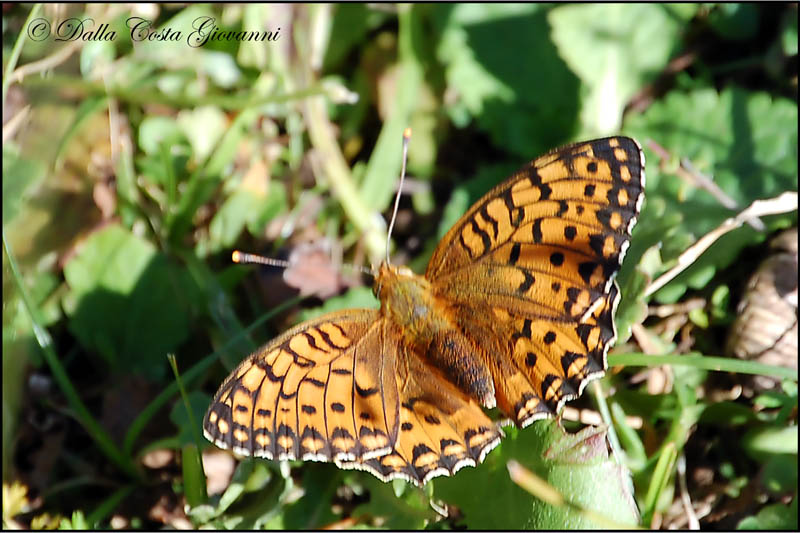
(95, 430)
(661, 476)
(140, 95)
(602, 405)
(364, 217)
(15, 52)
(159, 401)
(384, 163)
(705, 362)
(192, 422)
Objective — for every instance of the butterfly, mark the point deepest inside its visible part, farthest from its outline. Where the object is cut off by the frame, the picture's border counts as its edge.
(515, 311)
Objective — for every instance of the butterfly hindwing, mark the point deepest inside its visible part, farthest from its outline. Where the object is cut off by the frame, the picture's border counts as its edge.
(343, 388)
(441, 428)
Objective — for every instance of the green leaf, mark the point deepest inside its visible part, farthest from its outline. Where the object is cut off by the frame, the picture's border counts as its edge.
(265, 496)
(237, 486)
(355, 298)
(199, 403)
(614, 49)
(269, 207)
(20, 175)
(164, 54)
(645, 405)
(457, 205)
(157, 130)
(773, 517)
(746, 142)
(96, 57)
(194, 482)
(315, 509)
(351, 22)
(698, 361)
(735, 21)
(204, 183)
(85, 112)
(110, 504)
(396, 505)
(762, 441)
(720, 301)
(629, 439)
(789, 33)
(204, 127)
(632, 307)
(77, 522)
(221, 68)
(386, 156)
(661, 476)
(504, 72)
(727, 414)
(127, 302)
(236, 211)
(576, 465)
(779, 474)
(699, 317)
(255, 497)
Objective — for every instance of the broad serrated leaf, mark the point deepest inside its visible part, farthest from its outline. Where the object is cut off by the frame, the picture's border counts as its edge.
(527, 104)
(746, 142)
(614, 49)
(127, 302)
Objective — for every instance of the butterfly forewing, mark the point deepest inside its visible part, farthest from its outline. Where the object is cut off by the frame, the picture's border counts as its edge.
(582, 198)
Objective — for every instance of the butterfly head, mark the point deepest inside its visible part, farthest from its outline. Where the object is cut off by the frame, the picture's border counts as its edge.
(388, 277)
(403, 294)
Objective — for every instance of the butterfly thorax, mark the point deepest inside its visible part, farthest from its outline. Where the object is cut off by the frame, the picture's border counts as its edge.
(428, 326)
(406, 300)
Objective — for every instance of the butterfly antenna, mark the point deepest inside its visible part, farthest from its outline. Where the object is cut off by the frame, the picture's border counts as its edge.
(406, 137)
(252, 259)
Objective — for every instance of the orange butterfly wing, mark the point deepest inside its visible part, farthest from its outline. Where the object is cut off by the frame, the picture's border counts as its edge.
(441, 428)
(344, 388)
(529, 271)
(517, 311)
